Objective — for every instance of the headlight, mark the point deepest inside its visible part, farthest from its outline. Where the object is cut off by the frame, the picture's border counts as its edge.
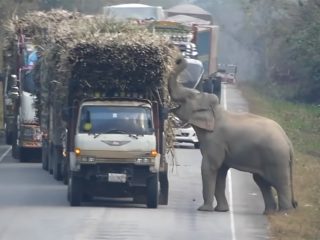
(87, 159)
(146, 161)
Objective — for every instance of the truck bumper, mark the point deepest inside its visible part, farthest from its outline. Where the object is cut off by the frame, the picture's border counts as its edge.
(114, 180)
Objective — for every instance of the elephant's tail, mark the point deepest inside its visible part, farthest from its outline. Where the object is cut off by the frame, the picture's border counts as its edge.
(294, 202)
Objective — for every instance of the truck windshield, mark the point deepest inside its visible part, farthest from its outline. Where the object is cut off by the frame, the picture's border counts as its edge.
(116, 119)
(191, 76)
(27, 81)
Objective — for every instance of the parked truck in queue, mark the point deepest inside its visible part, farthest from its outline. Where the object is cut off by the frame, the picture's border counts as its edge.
(22, 129)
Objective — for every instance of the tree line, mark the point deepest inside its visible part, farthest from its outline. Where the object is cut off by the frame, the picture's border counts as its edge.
(279, 39)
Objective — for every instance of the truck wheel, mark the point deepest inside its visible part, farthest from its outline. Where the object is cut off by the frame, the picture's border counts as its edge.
(50, 158)
(8, 137)
(24, 154)
(164, 188)
(152, 191)
(15, 148)
(197, 145)
(44, 156)
(56, 164)
(15, 151)
(64, 171)
(75, 191)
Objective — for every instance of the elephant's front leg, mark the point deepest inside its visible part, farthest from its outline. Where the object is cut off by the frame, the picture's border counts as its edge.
(222, 203)
(209, 175)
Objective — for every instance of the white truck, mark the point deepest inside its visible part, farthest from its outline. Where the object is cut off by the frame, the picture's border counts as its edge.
(22, 127)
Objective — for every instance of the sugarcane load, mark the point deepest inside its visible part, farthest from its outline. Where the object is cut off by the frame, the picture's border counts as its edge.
(101, 101)
(22, 39)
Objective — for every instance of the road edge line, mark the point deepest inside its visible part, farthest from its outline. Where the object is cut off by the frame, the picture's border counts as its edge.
(5, 154)
(232, 222)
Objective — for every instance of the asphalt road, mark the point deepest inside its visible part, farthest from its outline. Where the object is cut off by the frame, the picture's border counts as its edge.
(34, 206)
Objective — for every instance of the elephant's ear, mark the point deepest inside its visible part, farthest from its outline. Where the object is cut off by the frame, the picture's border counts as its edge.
(202, 111)
(203, 118)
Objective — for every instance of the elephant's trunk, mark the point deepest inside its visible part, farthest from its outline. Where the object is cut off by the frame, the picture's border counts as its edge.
(177, 92)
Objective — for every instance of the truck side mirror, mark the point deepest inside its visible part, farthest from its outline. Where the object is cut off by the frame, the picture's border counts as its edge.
(13, 81)
(14, 89)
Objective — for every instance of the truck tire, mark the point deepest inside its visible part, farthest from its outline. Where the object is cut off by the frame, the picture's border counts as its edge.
(164, 188)
(15, 148)
(75, 192)
(152, 191)
(64, 171)
(24, 154)
(50, 158)
(15, 151)
(56, 164)
(8, 136)
(44, 156)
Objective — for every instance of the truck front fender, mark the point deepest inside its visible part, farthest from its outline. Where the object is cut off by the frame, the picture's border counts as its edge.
(74, 164)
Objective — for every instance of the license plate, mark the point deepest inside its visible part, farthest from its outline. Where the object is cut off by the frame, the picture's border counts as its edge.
(117, 177)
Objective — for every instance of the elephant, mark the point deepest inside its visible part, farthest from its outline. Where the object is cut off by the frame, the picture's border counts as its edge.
(242, 141)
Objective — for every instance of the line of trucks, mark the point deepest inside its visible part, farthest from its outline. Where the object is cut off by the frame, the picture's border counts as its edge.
(98, 113)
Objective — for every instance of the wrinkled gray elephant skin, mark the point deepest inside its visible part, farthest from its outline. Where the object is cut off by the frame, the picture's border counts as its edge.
(243, 141)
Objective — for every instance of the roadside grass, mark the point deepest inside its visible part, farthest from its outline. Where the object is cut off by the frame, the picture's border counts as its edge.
(302, 124)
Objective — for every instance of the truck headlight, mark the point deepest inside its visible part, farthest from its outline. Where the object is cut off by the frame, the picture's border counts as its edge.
(146, 161)
(87, 159)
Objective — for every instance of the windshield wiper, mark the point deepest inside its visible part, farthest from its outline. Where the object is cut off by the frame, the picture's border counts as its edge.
(135, 136)
(95, 135)
(132, 135)
(116, 131)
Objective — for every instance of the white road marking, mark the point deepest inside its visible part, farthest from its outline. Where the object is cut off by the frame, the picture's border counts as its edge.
(5, 154)
(229, 177)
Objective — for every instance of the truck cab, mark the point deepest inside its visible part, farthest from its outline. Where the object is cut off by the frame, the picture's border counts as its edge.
(116, 150)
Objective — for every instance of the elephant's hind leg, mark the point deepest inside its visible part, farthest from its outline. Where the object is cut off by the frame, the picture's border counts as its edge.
(284, 196)
(266, 190)
(222, 203)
